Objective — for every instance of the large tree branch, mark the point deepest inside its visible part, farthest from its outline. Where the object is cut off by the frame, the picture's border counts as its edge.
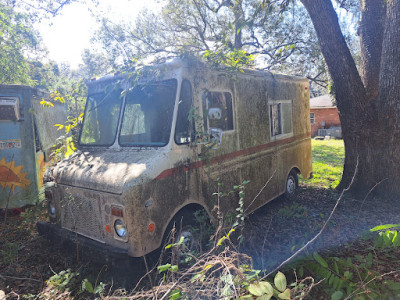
(389, 88)
(52, 9)
(350, 92)
(371, 38)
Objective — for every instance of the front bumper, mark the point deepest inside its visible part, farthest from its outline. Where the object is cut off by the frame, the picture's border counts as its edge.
(55, 233)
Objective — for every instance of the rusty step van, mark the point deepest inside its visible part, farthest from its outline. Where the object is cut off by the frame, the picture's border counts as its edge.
(161, 142)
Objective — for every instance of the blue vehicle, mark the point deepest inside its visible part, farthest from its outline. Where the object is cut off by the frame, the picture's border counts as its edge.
(27, 134)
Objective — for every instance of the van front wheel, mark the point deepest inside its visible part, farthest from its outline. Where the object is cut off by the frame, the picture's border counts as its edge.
(292, 183)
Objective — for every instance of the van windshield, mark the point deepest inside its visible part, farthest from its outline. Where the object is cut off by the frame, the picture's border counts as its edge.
(148, 113)
(146, 121)
(101, 119)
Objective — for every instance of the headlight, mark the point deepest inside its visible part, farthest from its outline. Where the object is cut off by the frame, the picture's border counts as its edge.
(50, 204)
(120, 228)
(52, 210)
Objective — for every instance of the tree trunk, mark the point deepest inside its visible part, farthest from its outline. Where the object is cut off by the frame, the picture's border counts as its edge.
(371, 38)
(370, 121)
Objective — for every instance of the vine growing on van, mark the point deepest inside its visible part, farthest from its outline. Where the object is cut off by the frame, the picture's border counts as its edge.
(237, 222)
(74, 99)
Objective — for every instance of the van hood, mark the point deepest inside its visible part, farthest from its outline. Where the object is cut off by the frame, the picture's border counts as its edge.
(106, 170)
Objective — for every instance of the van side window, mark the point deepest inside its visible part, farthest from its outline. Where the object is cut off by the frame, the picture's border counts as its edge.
(182, 128)
(280, 115)
(217, 109)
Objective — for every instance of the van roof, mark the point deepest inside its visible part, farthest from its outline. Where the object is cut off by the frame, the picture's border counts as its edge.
(178, 63)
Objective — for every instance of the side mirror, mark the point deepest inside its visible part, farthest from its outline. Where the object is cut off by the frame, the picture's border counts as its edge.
(215, 138)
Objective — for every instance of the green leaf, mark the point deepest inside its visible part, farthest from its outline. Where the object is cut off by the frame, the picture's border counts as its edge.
(99, 289)
(396, 241)
(382, 227)
(280, 281)
(198, 276)
(87, 286)
(336, 282)
(348, 275)
(338, 295)
(394, 286)
(264, 297)
(369, 260)
(267, 288)
(284, 295)
(301, 271)
(335, 265)
(261, 288)
(247, 297)
(45, 103)
(163, 268)
(331, 278)
(220, 241)
(255, 289)
(387, 241)
(181, 240)
(320, 260)
(174, 268)
(175, 294)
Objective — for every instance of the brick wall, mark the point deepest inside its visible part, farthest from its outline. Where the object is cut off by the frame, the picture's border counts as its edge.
(328, 115)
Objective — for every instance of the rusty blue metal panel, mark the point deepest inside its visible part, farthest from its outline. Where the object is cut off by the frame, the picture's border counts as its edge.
(21, 157)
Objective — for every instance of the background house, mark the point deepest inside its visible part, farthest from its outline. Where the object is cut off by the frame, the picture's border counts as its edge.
(324, 117)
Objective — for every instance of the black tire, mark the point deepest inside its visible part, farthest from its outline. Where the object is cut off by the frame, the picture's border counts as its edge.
(183, 223)
(186, 225)
(291, 185)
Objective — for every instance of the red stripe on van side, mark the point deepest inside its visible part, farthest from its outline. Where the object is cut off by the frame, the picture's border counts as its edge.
(225, 157)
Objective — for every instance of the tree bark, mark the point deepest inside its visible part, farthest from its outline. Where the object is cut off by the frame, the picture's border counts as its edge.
(371, 38)
(350, 94)
(368, 107)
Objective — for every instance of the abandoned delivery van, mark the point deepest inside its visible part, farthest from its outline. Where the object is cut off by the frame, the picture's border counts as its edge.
(162, 142)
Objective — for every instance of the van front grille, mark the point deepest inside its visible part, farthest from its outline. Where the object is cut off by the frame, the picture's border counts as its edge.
(82, 215)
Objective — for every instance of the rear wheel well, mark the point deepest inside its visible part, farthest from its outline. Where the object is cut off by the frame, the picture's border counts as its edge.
(296, 170)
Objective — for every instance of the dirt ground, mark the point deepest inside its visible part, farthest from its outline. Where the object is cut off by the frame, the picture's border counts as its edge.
(280, 228)
(271, 234)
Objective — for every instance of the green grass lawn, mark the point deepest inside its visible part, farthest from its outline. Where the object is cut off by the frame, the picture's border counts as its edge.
(328, 157)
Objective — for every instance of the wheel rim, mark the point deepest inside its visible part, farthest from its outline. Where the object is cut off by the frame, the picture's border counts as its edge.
(290, 185)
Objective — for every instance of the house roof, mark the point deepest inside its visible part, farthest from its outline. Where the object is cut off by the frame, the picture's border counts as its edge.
(324, 101)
